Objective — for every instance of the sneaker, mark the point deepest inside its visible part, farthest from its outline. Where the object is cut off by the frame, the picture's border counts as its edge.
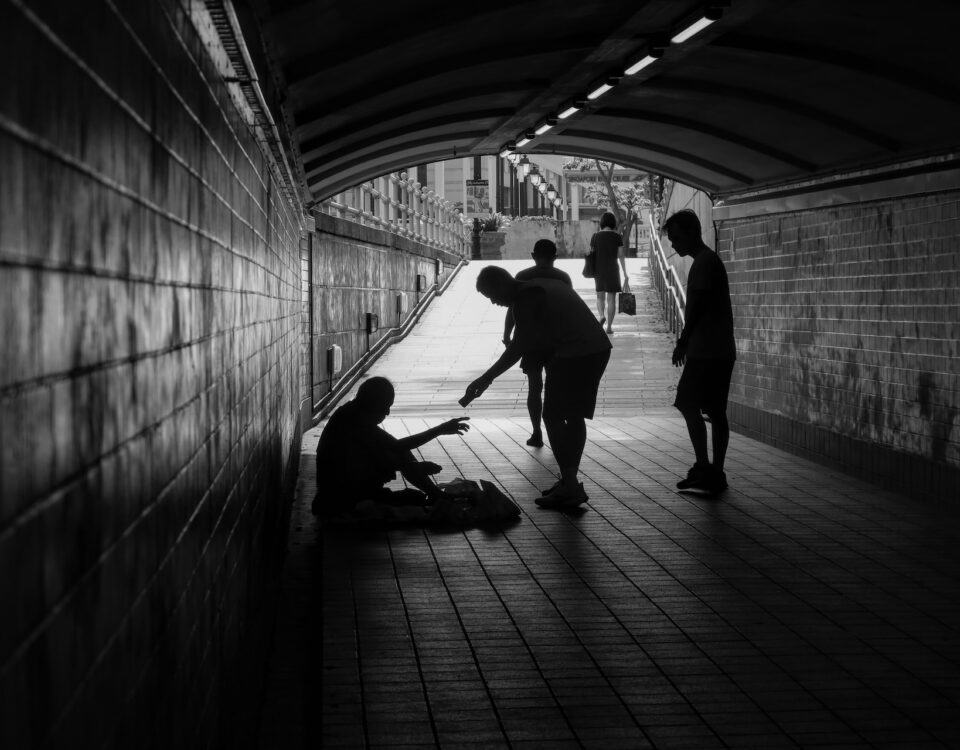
(553, 488)
(564, 497)
(696, 475)
(535, 440)
(715, 482)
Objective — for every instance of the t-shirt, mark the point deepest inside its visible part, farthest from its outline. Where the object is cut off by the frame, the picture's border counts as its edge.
(354, 457)
(543, 272)
(711, 335)
(550, 316)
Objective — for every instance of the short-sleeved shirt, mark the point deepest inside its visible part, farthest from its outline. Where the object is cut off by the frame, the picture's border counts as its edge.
(550, 316)
(712, 337)
(535, 361)
(543, 272)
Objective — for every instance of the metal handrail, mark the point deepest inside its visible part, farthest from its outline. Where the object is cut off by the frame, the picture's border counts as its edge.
(400, 204)
(667, 281)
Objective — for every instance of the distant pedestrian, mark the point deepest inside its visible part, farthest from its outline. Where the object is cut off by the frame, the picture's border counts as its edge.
(607, 246)
(706, 350)
(549, 316)
(532, 364)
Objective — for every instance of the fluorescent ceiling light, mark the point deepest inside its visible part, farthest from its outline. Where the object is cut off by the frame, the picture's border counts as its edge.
(506, 152)
(599, 91)
(523, 142)
(568, 111)
(640, 65)
(543, 128)
(695, 28)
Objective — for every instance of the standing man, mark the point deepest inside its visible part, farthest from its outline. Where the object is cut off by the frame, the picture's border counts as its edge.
(550, 317)
(706, 350)
(544, 254)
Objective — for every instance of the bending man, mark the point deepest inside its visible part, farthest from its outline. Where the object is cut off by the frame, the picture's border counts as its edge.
(549, 316)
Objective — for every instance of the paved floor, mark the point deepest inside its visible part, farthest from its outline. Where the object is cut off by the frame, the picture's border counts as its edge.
(803, 609)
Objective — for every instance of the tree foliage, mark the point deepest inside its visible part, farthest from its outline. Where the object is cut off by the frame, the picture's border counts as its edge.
(626, 200)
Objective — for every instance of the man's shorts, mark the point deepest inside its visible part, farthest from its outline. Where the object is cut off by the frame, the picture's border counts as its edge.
(534, 361)
(571, 386)
(704, 384)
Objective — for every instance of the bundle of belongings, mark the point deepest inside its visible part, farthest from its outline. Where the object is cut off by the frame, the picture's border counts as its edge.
(466, 504)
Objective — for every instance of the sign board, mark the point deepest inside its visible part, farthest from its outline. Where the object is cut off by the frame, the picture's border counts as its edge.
(478, 198)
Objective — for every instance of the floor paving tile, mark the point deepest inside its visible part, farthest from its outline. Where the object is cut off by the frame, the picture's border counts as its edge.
(803, 608)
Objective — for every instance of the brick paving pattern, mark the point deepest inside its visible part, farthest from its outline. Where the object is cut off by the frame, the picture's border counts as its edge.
(805, 608)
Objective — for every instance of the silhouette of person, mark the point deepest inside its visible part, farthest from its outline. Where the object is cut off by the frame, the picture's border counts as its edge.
(706, 350)
(550, 316)
(356, 457)
(532, 364)
(607, 246)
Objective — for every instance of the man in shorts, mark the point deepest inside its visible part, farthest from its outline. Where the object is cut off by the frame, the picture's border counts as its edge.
(356, 457)
(544, 254)
(707, 351)
(550, 317)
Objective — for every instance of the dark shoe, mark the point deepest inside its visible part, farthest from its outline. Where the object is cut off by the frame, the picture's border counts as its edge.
(553, 488)
(563, 497)
(697, 474)
(535, 440)
(715, 483)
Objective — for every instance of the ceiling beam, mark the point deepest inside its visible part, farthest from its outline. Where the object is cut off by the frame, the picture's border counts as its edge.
(710, 130)
(629, 161)
(376, 37)
(463, 118)
(378, 156)
(875, 67)
(684, 156)
(456, 66)
(380, 117)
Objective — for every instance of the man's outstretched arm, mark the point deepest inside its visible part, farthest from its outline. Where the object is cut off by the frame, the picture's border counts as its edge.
(508, 359)
(456, 426)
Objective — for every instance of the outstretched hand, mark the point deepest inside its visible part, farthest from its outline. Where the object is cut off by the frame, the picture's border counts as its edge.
(679, 355)
(477, 387)
(456, 426)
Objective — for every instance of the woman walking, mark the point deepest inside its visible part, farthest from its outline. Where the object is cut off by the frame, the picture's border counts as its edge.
(607, 246)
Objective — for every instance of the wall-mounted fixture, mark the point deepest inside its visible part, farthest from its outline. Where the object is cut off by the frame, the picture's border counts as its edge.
(421, 282)
(402, 304)
(439, 270)
(334, 359)
(373, 322)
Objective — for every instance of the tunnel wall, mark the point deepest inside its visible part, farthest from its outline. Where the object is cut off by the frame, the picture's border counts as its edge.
(358, 269)
(848, 334)
(149, 379)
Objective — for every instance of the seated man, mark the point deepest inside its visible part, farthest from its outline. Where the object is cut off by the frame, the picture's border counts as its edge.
(356, 457)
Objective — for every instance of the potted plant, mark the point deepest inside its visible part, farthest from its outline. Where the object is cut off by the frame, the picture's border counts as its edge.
(493, 236)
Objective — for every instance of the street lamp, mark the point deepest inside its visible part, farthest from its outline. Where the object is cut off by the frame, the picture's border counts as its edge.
(535, 177)
(523, 167)
(542, 187)
(551, 192)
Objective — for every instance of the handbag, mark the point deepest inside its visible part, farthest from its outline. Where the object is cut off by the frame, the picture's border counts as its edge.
(627, 303)
(590, 264)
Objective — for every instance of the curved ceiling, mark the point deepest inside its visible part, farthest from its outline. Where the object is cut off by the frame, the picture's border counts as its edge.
(772, 92)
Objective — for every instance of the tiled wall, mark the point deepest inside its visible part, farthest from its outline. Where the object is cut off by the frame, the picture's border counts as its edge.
(848, 330)
(355, 270)
(149, 382)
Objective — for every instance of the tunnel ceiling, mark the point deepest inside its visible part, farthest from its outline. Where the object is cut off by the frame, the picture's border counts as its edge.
(772, 92)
